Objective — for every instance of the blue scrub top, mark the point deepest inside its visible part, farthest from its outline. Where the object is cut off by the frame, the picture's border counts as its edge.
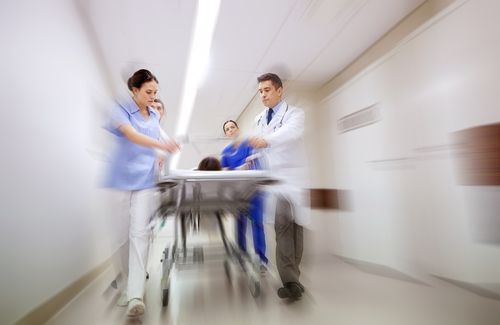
(235, 157)
(132, 166)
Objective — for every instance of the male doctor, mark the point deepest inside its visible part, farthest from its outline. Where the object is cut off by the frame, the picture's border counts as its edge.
(280, 128)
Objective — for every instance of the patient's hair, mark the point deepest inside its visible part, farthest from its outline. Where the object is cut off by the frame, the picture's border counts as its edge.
(209, 163)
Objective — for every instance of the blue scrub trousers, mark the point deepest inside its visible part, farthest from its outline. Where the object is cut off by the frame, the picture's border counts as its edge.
(256, 216)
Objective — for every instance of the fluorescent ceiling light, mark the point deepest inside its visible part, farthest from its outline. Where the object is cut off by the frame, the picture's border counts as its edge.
(206, 19)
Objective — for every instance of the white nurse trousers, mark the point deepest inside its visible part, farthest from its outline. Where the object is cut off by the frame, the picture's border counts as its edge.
(130, 217)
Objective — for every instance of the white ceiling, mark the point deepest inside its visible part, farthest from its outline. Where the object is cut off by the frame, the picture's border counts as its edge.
(307, 41)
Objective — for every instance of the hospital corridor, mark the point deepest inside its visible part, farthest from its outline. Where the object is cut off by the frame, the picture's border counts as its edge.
(250, 162)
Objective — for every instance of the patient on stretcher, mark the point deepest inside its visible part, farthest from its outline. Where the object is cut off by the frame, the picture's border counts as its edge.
(209, 163)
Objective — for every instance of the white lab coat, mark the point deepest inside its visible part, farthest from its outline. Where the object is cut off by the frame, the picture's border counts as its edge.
(286, 156)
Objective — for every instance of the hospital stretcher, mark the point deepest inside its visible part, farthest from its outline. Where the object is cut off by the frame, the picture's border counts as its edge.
(187, 195)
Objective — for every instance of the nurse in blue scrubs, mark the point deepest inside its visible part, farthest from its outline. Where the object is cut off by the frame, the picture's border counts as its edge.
(135, 123)
(234, 157)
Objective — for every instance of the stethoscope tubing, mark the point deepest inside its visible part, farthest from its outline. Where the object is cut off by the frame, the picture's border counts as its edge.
(281, 122)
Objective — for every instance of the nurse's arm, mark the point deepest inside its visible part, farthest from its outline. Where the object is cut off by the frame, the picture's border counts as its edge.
(142, 140)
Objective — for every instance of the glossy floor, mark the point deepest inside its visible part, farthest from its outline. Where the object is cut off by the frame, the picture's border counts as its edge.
(337, 293)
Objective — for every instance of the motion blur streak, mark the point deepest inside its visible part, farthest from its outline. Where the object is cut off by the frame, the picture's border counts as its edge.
(402, 113)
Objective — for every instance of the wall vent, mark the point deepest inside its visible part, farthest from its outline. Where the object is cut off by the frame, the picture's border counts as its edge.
(361, 118)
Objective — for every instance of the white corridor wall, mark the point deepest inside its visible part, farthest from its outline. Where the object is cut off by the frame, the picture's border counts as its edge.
(409, 213)
(54, 87)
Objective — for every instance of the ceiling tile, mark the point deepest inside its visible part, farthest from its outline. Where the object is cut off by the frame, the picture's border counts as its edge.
(305, 41)
(244, 32)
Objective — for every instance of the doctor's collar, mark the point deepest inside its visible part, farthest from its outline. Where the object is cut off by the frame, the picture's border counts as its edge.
(277, 107)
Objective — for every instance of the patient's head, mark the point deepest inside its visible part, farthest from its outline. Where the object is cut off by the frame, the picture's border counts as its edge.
(209, 163)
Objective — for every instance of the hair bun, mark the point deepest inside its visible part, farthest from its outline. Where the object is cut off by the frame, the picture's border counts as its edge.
(139, 78)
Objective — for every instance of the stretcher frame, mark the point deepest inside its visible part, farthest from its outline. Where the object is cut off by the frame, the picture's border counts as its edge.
(188, 194)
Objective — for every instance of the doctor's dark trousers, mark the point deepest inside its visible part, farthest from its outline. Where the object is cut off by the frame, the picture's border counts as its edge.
(289, 242)
(255, 216)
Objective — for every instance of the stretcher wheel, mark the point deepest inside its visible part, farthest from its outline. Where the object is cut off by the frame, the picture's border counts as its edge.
(164, 297)
(254, 287)
(147, 275)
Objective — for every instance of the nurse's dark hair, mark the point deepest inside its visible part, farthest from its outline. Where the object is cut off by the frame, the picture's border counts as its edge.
(228, 121)
(209, 163)
(139, 78)
(275, 80)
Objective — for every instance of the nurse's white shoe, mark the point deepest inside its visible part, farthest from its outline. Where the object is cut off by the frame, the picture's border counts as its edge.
(136, 308)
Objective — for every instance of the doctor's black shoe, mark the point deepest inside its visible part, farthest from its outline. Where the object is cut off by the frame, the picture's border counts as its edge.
(283, 293)
(290, 290)
(302, 289)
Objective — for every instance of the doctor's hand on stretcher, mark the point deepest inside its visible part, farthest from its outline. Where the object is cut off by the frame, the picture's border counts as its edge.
(257, 143)
(143, 140)
(248, 162)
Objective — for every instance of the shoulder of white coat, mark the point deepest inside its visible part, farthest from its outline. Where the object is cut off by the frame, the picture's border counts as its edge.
(259, 116)
(295, 108)
(295, 111)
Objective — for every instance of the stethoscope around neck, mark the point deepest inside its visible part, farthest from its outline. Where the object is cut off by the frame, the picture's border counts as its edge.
(281, 122)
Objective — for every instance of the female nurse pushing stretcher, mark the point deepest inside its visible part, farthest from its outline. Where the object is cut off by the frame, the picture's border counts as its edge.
(136, 126)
